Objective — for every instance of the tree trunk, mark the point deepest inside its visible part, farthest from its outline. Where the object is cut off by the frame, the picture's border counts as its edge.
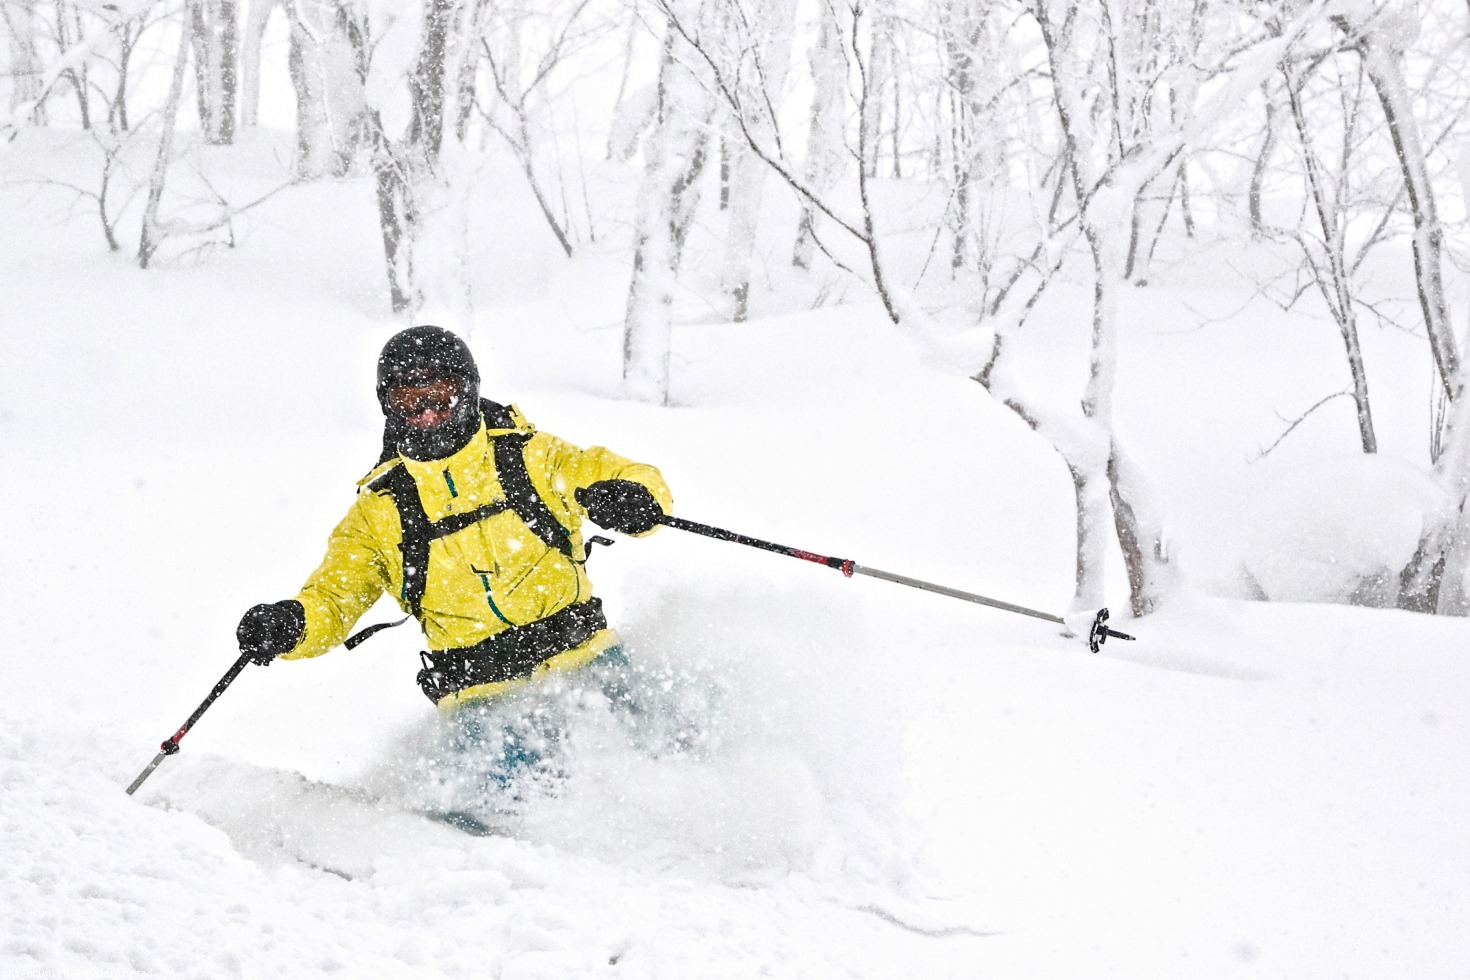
(635, 23)
(1331, 274)
(25, 62)
(67, 35)
(895, 134)
(1140, 528)
(215, 34)
(962, 34)
(667, 201)
(257, 18)
(825, 147)
(151, 236)
(1384, 65)
(1262, 165)
(1434, 580)
(1150, 217)
(771, 51)
(727, 169)
(426, 84)
(397, 217)
(1186, 202)
(1090, 488)
(117, 109)
(879, 70)
(1099, 469)
(468, 71)
(329, 65)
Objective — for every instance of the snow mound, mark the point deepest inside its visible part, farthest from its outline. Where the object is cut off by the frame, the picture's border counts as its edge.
(1336, 530)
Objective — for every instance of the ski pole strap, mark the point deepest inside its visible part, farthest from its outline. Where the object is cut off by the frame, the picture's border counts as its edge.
(844, 565)
(362, 635)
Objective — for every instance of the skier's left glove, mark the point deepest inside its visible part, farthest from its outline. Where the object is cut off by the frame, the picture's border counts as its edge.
(621, 505)
(270, 629)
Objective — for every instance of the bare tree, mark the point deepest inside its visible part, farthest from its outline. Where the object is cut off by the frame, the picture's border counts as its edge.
(1115, 144)
(762, 70)
(630, 46)
(22, 24)
(214, 30)
(1327, 253)
(257, 19)
(328, 61)
(1262, 163)
(674, 158)
(1107, 175)
(878, 76)
(1382, 56)
(522, 48)
(152, 234)
(405, 163)
(826, 144)
(1434, 580)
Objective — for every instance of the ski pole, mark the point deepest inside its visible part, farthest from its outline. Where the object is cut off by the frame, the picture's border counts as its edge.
(171, 745)
(1096, 636)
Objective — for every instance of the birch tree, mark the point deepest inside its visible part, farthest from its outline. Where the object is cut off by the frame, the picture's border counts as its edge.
(213, 27)
(1113, 147)
(152, 232)
(826, 141)
(22, 24)
(329, 65)
(763, 66)
(1106, 177)
(1327, 253)
(403, 64)
(1380, 43)
(674, 159)
(1435, 579)
(522, 49)
(257, 19)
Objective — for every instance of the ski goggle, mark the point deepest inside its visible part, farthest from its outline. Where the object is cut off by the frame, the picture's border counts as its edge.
(439, 394)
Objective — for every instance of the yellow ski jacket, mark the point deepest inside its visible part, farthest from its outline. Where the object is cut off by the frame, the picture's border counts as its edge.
(491, 575)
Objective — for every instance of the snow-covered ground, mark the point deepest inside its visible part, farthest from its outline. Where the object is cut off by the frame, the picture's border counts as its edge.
(883, 783)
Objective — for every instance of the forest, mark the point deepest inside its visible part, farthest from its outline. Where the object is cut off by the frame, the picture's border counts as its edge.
(952, 161)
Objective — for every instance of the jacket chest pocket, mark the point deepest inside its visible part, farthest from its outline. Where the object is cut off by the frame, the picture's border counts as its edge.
(501, 548)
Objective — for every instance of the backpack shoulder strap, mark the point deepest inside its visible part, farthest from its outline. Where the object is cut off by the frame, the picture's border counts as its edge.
(515, 480)
(417, 532)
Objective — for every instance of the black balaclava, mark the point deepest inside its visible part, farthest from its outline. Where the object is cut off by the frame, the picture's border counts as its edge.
(422, 354)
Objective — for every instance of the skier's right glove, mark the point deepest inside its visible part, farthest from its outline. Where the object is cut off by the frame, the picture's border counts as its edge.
(271, 629)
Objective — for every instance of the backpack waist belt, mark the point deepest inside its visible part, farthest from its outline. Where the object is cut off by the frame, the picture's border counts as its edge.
(511, 653)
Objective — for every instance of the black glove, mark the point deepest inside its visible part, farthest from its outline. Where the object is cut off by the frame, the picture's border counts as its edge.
(621, 505)
(271, 629)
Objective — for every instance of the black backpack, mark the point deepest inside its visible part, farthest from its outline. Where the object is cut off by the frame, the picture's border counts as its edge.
(419, 531)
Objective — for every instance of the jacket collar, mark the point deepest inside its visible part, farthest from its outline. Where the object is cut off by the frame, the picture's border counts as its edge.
(495, 420)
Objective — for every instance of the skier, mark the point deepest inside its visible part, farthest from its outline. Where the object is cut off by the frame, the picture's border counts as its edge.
(472, 520)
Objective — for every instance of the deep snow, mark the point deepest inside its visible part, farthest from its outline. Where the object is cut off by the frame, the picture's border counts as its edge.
(886, 783)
